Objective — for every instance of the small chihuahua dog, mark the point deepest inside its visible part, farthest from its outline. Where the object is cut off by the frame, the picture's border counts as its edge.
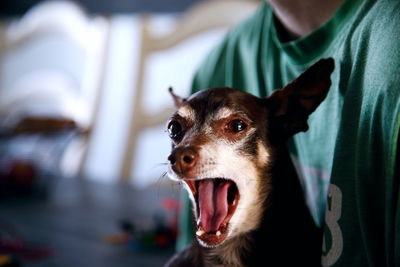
(229, 152)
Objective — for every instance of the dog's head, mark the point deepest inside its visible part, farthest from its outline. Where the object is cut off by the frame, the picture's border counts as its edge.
(221, 149)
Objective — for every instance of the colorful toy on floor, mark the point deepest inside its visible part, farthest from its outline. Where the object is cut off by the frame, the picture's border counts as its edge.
(161, 236)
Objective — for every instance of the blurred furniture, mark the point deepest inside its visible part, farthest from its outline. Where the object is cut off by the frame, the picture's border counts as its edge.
(51, 73)
(205, 16)
(73, 223)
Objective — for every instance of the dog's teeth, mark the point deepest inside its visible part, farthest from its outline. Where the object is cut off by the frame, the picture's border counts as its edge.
(218, 233)
(200, 232)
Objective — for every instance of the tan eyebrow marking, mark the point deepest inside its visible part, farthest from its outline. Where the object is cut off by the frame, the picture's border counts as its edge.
(187, 113)
(224, 113)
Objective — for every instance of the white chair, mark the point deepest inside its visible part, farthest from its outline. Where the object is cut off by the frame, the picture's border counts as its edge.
(52, 65)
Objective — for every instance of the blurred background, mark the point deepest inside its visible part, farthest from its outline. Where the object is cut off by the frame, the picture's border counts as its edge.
(83, 108)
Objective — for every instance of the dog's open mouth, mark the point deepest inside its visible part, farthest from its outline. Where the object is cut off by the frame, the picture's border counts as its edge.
(216, 201)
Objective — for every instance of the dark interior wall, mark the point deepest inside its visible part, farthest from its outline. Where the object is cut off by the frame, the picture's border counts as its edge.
(18, 7)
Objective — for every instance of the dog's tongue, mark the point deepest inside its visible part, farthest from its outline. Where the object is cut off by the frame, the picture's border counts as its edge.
(213, 203)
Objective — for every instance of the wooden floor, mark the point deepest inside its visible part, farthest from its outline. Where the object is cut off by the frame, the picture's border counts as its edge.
(78, 215)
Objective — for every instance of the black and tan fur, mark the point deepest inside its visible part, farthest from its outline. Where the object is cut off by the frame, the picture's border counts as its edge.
(225, 137)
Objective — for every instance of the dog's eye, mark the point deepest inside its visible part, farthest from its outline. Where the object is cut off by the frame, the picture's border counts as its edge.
(174, 129)
(236, 126)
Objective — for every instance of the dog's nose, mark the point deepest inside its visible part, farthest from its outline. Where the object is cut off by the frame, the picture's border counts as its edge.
(183, 159)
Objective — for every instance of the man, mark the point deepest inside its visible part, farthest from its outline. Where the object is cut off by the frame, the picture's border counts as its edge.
(348, 161)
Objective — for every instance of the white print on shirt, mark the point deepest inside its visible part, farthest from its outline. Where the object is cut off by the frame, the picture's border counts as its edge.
(332, 216)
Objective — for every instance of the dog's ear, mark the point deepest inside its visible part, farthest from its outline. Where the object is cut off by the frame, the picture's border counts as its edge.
(292, 105)
(177, 99)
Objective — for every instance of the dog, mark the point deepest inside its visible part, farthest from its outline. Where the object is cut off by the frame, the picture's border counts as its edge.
(229, 152)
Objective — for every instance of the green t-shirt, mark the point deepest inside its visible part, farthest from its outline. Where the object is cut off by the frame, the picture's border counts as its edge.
(347, 159)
